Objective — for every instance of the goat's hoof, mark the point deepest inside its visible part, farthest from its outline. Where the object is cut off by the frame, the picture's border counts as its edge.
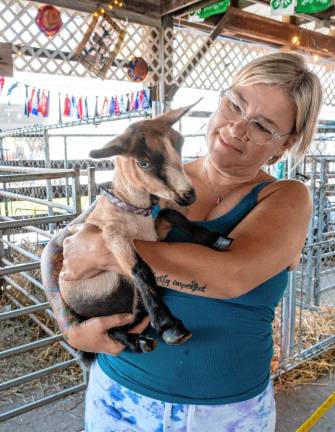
(146, 344)
(176, 335)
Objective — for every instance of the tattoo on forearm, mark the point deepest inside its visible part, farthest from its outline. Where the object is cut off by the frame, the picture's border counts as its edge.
(164, 281)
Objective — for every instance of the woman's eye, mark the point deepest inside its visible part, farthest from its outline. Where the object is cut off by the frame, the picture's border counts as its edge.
(143, 164)
(260, 127)
(236, 107)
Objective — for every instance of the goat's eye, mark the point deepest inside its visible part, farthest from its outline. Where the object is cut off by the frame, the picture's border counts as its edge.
(145, 165)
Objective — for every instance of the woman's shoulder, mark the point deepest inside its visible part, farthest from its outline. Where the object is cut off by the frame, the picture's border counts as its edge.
(287, 190)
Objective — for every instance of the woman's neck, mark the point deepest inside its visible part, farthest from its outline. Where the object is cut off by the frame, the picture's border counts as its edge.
(222, 179)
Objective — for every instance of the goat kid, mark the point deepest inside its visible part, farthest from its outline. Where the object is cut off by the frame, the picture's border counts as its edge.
(148, 167)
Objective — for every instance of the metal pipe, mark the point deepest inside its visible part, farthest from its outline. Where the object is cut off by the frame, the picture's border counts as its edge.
(38, 374)
(19, 268)
(30, 346)
(38, 220)
(41, 402)
(24, 311)
(29, 228)
(21, 197)
(22, 251)
(49, 312)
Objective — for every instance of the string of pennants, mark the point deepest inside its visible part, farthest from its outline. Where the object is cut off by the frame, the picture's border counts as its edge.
(37, 103)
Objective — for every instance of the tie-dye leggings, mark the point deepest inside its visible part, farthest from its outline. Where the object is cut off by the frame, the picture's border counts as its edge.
(111, 407)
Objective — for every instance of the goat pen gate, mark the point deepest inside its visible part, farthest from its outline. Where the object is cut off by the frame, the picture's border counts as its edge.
(171, 52)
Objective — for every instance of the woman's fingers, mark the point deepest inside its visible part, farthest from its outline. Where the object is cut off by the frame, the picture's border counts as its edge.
(139, 328)
(91, 335)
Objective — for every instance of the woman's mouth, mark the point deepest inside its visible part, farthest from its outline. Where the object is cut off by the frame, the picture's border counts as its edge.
(226, 145)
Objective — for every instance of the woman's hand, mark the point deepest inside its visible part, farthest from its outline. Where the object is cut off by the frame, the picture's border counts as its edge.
(85, 253)
(91, 335)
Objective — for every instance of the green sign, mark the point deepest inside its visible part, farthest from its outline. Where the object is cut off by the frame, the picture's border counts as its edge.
(312, 6)
(214, 9)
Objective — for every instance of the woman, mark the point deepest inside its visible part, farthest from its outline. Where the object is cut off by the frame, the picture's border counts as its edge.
(220, 379)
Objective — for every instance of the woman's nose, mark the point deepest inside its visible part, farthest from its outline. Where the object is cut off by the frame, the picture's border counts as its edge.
(238, 129)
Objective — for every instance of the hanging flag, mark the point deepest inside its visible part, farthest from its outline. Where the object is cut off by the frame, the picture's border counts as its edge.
(74, 107)
(36, 99)
(40, 102)
(136, 103)
(282, 7)
(123, 105)
(132, 102)
(30, 101)
(111, 107)
(96, 113)
(80, 108)
(2, 83)
(67, 106)
(104, 108)
(26, 102)
(147, 98)
(128, 102)
(10, 90)
(60, 119)
(117, 106)
(43, 105)
(86, 108)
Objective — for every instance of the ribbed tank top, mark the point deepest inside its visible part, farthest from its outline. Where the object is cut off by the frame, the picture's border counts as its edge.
(228, 358)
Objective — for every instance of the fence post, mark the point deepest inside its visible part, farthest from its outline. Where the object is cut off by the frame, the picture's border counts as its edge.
(311, 239)
(319, 236)
(65, 167)
(52, 226)
(288, 302)
(76, 193)
(91, 185)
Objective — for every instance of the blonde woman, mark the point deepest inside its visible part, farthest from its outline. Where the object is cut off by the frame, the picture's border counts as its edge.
(220, 379)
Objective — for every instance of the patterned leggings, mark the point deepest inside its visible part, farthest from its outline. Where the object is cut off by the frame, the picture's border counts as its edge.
(111, 407)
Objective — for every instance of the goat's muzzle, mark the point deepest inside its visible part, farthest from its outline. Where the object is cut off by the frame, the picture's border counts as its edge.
(186, 198)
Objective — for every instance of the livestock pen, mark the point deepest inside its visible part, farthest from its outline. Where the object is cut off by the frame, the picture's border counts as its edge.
(46, 178)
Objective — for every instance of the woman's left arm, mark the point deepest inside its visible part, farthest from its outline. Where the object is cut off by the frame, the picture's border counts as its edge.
(266, 242)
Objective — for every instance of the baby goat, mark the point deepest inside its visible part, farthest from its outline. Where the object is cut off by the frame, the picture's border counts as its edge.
(148, 167)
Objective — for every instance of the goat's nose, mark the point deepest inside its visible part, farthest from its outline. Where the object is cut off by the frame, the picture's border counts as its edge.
(187, 198)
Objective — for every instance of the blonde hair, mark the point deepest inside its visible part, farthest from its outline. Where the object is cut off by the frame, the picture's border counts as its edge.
(289, 71)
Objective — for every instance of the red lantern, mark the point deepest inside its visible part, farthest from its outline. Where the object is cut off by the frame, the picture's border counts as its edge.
(49, 20)
(137, 69)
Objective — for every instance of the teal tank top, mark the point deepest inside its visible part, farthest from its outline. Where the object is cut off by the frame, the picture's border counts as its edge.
(228, 358)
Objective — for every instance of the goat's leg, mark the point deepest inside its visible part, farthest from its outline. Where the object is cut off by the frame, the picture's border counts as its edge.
(132, 265)
(198, 233)
(136, 342)
(168, 326)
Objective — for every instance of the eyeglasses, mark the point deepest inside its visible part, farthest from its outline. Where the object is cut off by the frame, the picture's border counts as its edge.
(255, 130)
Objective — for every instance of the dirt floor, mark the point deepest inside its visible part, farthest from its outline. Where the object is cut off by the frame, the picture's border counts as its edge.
(292, 410)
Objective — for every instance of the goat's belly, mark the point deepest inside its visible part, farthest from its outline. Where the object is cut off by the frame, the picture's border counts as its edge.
(104, 294)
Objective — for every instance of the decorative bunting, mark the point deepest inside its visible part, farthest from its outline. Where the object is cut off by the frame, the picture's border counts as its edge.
(2, 83)
(37, 102)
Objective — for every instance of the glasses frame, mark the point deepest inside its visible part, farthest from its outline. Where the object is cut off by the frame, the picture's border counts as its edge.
(275, 135)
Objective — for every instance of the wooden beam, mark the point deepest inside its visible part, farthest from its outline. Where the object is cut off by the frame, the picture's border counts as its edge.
(171, 6)
(247, 26)
(140, 12)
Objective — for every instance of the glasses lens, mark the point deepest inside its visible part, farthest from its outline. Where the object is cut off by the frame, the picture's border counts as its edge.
(258, 133)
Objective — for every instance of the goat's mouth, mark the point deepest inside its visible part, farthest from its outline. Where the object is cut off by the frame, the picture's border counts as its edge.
(186, 198)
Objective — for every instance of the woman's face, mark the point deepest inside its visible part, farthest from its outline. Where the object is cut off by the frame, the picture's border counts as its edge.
(238, 144)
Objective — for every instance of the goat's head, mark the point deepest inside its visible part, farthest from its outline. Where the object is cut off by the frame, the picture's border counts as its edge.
(150, 153)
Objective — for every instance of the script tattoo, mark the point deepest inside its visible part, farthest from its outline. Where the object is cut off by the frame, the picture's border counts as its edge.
(164, 281)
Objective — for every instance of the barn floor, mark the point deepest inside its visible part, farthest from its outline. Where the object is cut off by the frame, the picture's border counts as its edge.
(292, 410)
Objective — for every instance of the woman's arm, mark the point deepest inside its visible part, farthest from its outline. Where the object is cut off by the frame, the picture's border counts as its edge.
(89, 335)
(266, 242)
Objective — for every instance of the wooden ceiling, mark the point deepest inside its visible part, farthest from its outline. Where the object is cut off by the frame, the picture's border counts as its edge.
(239, 22)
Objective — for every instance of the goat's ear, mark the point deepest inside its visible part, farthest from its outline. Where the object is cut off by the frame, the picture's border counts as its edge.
(172, 116)
(115, 147)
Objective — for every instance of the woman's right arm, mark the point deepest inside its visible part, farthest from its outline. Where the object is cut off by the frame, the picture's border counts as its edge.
(89, 335)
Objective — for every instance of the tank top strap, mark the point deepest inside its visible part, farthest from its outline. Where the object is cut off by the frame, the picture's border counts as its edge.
(255, 191)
